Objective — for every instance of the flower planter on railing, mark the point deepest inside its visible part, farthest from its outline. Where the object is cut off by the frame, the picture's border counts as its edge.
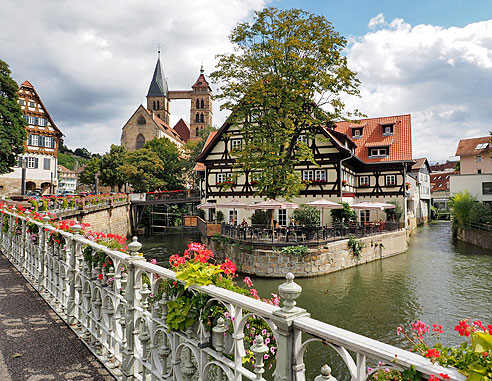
(129, 312)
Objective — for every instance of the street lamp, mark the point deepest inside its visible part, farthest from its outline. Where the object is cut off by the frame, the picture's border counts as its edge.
(23, 162)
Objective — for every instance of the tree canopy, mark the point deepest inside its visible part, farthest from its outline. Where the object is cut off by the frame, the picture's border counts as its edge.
(173, 167)
(284, 80)
(110, 170)
(143, 170)
(88, 175)
(12, 125)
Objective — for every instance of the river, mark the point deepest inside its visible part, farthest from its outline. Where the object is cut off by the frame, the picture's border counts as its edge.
(437, 280)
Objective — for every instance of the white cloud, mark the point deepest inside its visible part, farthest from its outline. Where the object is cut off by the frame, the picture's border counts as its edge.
(442, 76)
(376, 21)
(92, 61)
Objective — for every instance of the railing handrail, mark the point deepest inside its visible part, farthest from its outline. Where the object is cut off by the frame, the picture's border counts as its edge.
(89, 289)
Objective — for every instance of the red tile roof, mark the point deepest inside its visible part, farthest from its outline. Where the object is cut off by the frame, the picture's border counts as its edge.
(440, 181)
(27, 84)
(419, 163)
(200, 82)
(200, 166)
(183, 129)
(400, 143)
(468, 146)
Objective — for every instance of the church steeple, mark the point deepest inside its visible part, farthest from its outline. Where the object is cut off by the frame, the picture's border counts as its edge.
(158, 86)
(158, 94)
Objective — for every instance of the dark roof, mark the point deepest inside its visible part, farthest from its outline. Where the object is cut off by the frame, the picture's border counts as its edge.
(158, 86)
(440, 181)
(473, 146)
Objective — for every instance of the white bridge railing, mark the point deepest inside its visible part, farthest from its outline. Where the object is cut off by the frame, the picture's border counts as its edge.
(129, 333)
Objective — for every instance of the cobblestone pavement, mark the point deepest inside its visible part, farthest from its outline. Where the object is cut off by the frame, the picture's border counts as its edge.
(35, 344)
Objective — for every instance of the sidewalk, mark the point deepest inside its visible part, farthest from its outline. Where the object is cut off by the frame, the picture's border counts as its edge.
(35, 344)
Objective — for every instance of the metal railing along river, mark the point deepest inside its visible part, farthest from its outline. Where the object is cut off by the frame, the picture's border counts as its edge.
(126, 326)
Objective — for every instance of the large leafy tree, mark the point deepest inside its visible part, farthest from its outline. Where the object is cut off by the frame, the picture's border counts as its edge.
(88, 175)
(110, 170)
(12, 125)
(194, 147)
(284, 79)
(173, 166)
(143, 170)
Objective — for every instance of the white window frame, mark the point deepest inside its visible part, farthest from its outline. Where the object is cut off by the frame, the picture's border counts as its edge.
(34, 140)
(232, 215)
(236, 144)
(32, 104)
(220, 178)
(388, 129)
(320, 174)
(307, 174)
(364, 181)
(303, 139)
(31, 120)
(378, 152)
(31, 162)
(282, 217)
(390, 180)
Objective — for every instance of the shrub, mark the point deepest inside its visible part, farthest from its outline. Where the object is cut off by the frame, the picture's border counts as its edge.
(260, 218)
(307, 215)
(394, 214)
(347, 214)
(295, 250)
(220, 216)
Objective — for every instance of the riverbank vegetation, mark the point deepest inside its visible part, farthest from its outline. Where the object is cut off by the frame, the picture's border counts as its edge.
(465, 210)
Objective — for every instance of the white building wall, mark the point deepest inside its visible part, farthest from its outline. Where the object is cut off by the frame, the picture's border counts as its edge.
(471, 183)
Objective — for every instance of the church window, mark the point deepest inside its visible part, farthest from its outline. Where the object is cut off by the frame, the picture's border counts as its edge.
(197, 104)
(159, 116)
(140, 141)
(197, 117)
(197, 133)
(141, 120)
(158, 106)
(203, 104)
(201, 118)
(154, 105)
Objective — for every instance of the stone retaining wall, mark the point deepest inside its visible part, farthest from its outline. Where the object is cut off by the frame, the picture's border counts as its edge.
(326, 259)
(476, 237)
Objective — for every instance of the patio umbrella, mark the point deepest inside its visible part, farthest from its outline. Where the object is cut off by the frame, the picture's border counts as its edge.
(233, 204)
(372, 206)
(206, 205)
(324, 204)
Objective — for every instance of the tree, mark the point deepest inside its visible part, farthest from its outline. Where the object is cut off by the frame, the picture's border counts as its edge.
(142, 169)
(173, 167)
(12, 125)
(111, 174)
(83, 152)
(88, 175)
(194, 147)
(285, 79)
(346, 214)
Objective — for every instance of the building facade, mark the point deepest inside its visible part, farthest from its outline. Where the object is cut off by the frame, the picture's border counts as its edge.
(475, 169)
(419, 191)
(152, 122)
(67, 180)
(338, 175)
(41, 147)
(440, 190)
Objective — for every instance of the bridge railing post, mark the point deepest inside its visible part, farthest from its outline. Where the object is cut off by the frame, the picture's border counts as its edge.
(72, 245)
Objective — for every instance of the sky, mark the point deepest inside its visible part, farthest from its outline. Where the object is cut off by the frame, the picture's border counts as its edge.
(91, 61)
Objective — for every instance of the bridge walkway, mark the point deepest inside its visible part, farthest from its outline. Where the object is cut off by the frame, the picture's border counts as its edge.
(35, 344)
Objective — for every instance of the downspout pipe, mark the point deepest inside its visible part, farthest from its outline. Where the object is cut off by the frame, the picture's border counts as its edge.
(340, 171)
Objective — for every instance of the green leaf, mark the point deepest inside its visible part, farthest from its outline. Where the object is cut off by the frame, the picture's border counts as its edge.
(481, 342)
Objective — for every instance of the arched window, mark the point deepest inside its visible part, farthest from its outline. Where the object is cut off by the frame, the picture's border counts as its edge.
(159, 116)
(141, 120)
(203, 104)
(201, 118)
(154, 105)
(197, 132)
(158, 108)
(197, 104)
(140, 141)
(197, 117)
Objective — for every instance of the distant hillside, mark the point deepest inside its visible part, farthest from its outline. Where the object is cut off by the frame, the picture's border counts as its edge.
(69, 160)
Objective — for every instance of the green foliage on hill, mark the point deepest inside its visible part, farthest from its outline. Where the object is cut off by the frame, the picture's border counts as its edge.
(70, 161)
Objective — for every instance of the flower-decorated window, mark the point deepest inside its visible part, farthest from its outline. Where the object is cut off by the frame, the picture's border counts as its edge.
(364, 181)
(320, 174)
(307, 175)
(390, 180)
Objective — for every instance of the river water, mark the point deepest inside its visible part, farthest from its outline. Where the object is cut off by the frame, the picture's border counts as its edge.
(437, 280)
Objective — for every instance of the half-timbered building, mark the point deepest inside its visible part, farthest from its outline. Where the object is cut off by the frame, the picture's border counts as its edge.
(41, 147)
(339, 172)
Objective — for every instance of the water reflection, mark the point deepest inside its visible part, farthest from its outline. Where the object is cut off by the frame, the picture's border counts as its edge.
(436, 280)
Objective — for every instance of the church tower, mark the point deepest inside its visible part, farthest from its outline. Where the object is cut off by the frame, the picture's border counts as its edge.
(201, 105)
(157, 96)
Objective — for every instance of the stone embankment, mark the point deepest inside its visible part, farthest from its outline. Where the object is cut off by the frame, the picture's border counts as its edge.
(476, 237)
(331, 257)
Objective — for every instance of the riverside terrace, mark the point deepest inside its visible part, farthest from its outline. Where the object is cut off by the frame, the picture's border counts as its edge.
(125, 319)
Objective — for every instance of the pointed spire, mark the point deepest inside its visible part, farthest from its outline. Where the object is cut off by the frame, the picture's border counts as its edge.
(201, 69)
(158, 86)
